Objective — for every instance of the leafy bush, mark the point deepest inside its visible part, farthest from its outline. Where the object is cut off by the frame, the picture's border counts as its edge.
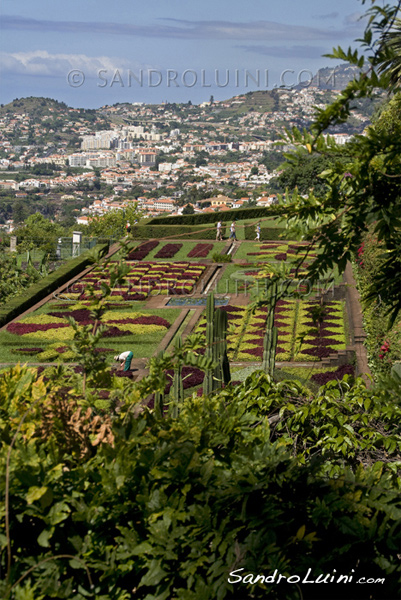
(46, 286)
(170, 507)
(221, 258)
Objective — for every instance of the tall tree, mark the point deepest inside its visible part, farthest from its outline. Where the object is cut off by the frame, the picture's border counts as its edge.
(366, 191)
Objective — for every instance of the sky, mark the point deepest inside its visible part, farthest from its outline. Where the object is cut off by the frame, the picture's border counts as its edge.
(89, 53)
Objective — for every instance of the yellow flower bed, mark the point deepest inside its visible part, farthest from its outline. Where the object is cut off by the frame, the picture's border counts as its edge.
(139, 328)
(62, 334)
(42, 319)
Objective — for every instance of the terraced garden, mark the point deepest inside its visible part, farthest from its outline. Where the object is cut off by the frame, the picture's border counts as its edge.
(138, 315)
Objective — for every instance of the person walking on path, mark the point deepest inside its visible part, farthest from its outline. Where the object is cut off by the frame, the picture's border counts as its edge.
(218, 234)
(232, 231)
(125, 359)
(257, 238)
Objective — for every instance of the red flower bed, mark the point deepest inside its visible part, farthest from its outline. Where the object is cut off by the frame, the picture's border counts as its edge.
(191, 377)
(82, 314)
(200, 251)
(231, 309)
(320, 352)
(115, 332)
(258, 351)
(281, 256)
(152, 321)
(168, 251)
(143, 250)
(323, 378)
(144, 321)
(22, 328)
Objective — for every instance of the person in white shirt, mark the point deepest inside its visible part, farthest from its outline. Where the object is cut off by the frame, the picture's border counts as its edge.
(125, 358)
(218, 235)
(232, 231)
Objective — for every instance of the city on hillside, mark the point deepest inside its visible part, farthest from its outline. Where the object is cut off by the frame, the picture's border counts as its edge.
(73, 164)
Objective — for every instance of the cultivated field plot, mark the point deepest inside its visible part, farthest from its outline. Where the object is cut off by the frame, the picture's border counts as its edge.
(299, 338)
(46, 335)
(155, 250)
(145, 279)
(272, 251)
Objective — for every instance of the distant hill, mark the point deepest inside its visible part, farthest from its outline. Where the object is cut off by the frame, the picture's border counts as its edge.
(333, 78)
(41, 107)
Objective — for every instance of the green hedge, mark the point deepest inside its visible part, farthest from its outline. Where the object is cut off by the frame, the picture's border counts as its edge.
(266, 233)
(142, 232)
(45, 286)
(255, 212)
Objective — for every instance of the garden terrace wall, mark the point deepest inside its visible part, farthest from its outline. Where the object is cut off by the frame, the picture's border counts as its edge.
(46, 286)
(256, 212)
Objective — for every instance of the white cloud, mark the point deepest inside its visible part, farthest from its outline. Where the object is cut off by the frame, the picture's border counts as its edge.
(42, 63)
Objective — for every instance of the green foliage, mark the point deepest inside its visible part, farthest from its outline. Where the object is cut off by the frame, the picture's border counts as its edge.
(266, 233)
(221, 258)
(367, 188)
(38, 232)
(172, 506)
(13, 279)
(47, 285)
(304, 172)
(383, 343)
(238, 214)
(271, 334)
(188, 210)
(183, 232)
(112, 224)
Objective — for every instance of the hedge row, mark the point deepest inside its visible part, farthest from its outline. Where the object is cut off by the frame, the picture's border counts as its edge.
(266, 233)
(46, 286)
(255, 212)
(159, 232)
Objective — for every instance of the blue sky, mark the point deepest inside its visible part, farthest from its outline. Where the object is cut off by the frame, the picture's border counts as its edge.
(89, 53)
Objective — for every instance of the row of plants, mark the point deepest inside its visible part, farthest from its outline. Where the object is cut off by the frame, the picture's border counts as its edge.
(383, 343)
(168, 251)
(200, 250)
(302, 336)
(48, 284)
(141, 251)
(54, 333)
(238, 214)
(144, 279)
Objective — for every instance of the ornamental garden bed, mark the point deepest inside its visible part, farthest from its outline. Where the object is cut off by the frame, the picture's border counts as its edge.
(188, 251)
(271, 251)
(144, 280)
(46, 336)
(298, 338)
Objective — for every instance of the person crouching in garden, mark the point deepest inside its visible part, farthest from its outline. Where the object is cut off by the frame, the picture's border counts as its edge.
(125, 359)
